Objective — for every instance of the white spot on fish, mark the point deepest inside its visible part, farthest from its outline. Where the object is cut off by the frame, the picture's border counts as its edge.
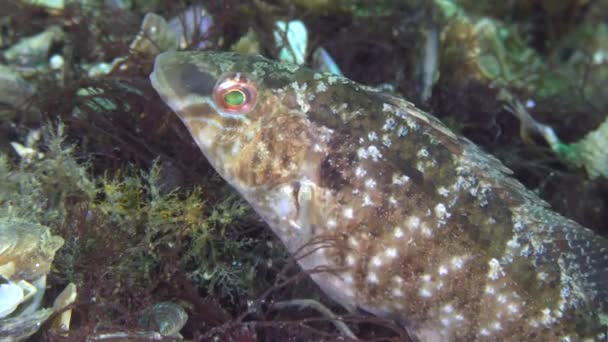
(360, 172)
(490, 290)
(448, 308)
(426, 231)
(502, 299)
(372, 278)
(300, 92)
(402, 131)
(413, 222)
(400, 179)
(424, 292)
(372, 136)
(389, 124)
(423, 153)
(370, 183)
(441, 212)
(369, 152)
(397, 292)
(398, 232)
(457, 262)
(442, 191)
(350, 260)
(496, 270)
(348, 213)
(386, 141)
(376, 261)
(391, 252)
(321, 87)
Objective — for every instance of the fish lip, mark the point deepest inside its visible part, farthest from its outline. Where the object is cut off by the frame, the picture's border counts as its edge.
(159, 83)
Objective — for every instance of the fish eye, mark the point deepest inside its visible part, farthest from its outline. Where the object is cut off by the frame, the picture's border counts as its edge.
(235, 93)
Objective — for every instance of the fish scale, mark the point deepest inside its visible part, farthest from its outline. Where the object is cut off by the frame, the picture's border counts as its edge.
(401, 217)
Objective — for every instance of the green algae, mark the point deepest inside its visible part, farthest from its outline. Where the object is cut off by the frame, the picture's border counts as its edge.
(128, 228)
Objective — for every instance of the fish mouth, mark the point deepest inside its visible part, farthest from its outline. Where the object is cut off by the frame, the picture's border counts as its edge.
(180, 82)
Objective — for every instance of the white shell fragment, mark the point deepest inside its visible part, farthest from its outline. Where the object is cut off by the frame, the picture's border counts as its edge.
(61, 324)
(293, 50)
(11, 295)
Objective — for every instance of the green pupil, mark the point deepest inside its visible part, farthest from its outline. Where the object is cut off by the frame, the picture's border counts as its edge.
(234, 98)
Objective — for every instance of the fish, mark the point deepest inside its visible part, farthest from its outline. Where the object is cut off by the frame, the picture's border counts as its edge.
(389, 211)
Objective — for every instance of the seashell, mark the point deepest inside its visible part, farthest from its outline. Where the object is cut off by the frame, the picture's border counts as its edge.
(168, 318)
(154, 36)
(23, 326)
(191, 24)
(34, 50)
(322, 61)
(28, 247)
(14, 90)
(11, 295)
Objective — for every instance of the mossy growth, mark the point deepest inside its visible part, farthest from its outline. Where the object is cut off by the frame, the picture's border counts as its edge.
(38, 189)
(127, 237)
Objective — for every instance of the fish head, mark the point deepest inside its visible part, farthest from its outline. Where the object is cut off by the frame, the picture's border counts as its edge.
(242, 111)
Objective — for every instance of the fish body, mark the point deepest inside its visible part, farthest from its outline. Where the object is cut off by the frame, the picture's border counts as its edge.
(398, 215)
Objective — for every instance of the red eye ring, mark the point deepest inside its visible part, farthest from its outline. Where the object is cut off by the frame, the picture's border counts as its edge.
(235, 93)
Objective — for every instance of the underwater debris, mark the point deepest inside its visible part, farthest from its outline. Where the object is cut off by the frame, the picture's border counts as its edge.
(33, 51)
(14, 90)
(55, 5)
(317, 306)
(61, 324)
(322, 61)
(291, 38)
(191, 27)
(155, 36)
(590, 152)
(430, 63)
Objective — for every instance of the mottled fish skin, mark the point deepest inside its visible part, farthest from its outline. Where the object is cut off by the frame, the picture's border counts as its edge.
(409, 220)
